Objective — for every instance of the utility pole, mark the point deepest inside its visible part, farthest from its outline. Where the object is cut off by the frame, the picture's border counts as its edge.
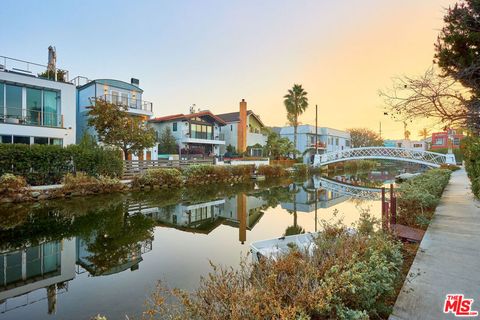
(316, 129)
(380, 129)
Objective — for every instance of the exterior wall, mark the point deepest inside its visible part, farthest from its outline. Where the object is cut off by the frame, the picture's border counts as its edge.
(230, 132)
(440, 140)
(333, 139)
(67, 110)
(407, 144)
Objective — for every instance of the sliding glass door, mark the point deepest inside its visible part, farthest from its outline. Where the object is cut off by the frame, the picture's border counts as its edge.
(50, 109)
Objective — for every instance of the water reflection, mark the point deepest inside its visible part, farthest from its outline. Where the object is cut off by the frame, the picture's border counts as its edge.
(43, 247)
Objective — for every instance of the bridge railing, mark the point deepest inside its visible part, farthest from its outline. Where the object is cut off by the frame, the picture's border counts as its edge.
(388, 153)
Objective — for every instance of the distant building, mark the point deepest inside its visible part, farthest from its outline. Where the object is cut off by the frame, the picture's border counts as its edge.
(35, 106)
(196, 133)
(244, 131)
(117, 92)
(406, 144)
(329, 140)
(440, 140)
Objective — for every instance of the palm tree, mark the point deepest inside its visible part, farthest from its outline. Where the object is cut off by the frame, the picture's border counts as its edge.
(296, 102)
(424, 133)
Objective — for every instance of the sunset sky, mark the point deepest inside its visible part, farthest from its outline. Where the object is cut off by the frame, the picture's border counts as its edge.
(214, 53)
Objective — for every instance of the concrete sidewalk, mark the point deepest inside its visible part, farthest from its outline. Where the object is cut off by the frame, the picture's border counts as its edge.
(448, 260)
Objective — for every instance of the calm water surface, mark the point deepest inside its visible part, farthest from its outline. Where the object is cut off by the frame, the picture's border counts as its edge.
(73, 259)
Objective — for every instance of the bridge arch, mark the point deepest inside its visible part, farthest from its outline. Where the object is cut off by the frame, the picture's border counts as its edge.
(427, 158)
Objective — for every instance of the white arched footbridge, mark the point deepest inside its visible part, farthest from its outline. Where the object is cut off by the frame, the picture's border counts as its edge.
(428, 158)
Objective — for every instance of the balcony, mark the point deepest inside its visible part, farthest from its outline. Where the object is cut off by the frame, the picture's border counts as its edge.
(203, 138)
(130, 103)
(31, 118)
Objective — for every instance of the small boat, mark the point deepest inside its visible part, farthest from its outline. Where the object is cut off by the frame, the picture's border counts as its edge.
(273, 248)
(406, 176)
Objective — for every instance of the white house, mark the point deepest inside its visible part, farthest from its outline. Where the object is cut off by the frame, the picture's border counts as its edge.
(244, 122)
(328, 140)
(197, 134)
(34, 109)
(419, 145)
(117, 92)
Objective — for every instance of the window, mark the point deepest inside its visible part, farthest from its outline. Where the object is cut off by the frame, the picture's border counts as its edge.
(14, 100)
(347, 143)
(124, 98)
(56, 141)
(456, 141)
(21, 139)
(336, 141)
(417, 145)
(34, 106)
(50, 108)
(439, 142)
(174, 125)
(114, 96)
(2, 96)
(231, 127)
(6, 139)
(40, 140)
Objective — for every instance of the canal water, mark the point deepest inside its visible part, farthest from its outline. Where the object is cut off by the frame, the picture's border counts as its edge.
(73, 259)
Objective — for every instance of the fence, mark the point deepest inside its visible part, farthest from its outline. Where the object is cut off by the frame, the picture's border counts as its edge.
(135, 167)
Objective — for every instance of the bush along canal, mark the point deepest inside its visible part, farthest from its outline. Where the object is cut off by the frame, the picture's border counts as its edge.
(109, 251)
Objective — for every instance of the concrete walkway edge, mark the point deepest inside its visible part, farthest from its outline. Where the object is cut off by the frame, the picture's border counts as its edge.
(448, 259)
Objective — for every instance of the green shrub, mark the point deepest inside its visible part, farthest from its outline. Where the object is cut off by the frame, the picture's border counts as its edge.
(346, 276)
(47, 164)
(419, 196)
(159, 177)
(83, 183)
(244, 171)
(300, 169)
(471, 149)
(10, 184)
(272, 171)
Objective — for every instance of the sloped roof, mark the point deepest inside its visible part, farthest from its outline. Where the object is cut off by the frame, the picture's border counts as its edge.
(235, 116)
(182, 116)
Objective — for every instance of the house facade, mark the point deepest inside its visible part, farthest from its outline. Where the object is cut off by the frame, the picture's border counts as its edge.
(244, 131)
(33, 108)
(117, 92)
(329, 140)
(197, 134)
(441, 140)
(418, 145)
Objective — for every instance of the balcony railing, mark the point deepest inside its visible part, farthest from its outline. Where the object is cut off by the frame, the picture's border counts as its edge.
(131, 103)
(31, 117)
(32, 69)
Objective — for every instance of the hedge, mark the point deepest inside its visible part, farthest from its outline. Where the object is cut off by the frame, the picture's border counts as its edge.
(47, 164)
(471, 149)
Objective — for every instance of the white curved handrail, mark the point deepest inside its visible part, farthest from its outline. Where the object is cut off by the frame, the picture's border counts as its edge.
(428, 158)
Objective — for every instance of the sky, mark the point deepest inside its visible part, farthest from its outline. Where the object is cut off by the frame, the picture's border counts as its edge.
(213, 53)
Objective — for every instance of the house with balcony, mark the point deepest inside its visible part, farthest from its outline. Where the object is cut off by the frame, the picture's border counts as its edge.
(310, 141)
(244, 131)
(197, 134)
(445, 139)
(37, 104)
(116, 92)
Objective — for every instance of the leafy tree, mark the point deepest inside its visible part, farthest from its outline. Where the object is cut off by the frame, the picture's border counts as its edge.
(296, 102)
(167, 143)
(363, 137)
(116, 127)
(277, 147)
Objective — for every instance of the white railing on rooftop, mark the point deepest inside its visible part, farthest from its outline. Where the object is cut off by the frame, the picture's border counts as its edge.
(32, 69)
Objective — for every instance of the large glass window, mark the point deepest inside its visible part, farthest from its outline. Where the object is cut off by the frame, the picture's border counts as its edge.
(201, 131)
(50, 108)
(13, 269)
(6, 139)
(21, 139)
(2, 97)
(174, 126)
(14, 101)
(34, 106)
(56, 141)
(40, 140)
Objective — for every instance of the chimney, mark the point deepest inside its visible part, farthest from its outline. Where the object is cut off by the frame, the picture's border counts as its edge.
(135, 82)
(242, 128)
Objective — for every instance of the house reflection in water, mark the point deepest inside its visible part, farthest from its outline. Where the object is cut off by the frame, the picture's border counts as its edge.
(36, 273)
(308, 197)
(241, 211)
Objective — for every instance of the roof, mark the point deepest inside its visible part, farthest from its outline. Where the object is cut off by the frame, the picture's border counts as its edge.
(115, 83)
(182, 116)
(235, 116)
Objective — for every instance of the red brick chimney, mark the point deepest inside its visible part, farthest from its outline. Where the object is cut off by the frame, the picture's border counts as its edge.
(242, 128)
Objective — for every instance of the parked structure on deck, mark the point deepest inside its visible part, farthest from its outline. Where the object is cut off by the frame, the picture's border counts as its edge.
(244, 131)
(328, 140)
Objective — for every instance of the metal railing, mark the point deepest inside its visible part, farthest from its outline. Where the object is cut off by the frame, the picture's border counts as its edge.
(31, 117)
(126, 101)
(32, 69)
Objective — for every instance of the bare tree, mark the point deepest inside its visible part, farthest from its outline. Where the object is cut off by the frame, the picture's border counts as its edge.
(428, 96)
